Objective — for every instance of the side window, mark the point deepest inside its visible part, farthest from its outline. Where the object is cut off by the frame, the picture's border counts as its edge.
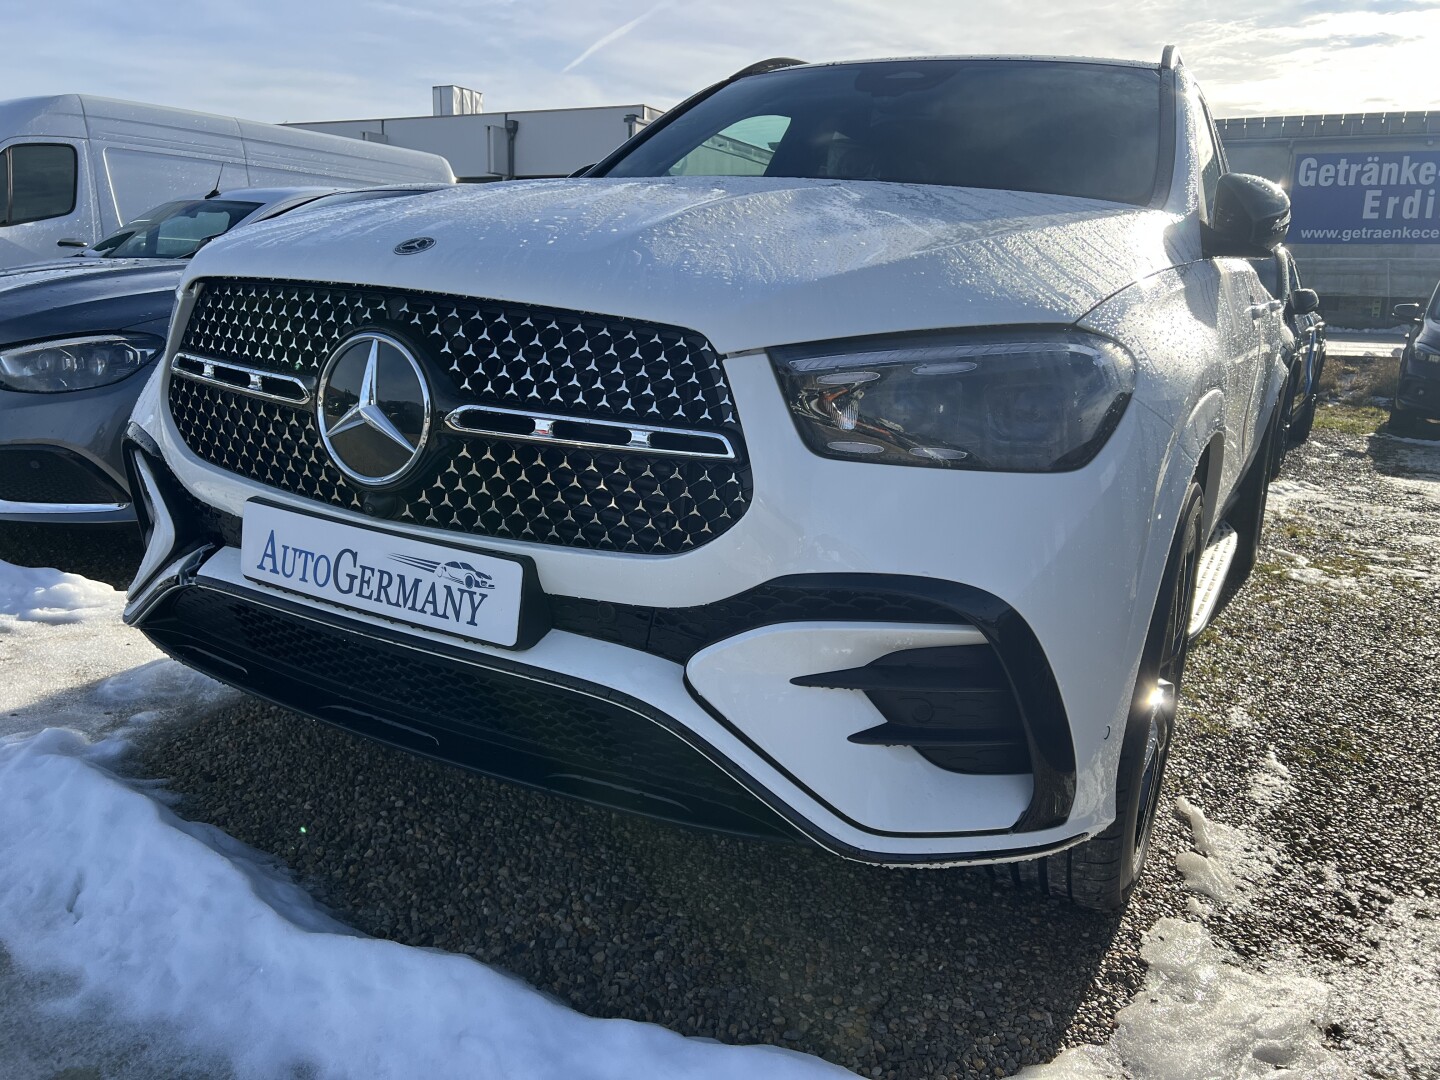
(742, 149)
(40, 182)
(183, 234)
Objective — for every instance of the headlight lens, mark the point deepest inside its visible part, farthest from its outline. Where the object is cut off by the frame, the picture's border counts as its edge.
(51, 367)
(1019, 402)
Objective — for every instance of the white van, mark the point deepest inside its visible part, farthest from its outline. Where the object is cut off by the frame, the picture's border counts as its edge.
(75, 168)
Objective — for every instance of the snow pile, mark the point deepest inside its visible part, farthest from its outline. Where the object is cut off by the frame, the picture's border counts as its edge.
(177, 925)
(1227, 864)
(1391, 1004)
(51, 596)
(69, 661)
(1200, 1015)
(132, 928)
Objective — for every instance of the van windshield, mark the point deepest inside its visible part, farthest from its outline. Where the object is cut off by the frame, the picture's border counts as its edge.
(1086, 129)
(175, 230)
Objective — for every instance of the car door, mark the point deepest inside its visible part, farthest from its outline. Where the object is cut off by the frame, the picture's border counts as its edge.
(45, 199)
(1248, 337)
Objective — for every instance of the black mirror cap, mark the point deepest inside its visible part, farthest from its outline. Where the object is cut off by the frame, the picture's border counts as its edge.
(1304, 301)
(1414, 312)
(1250, 217)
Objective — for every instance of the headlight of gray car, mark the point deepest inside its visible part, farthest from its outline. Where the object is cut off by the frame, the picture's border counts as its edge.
(78, 363)
(1038, 401)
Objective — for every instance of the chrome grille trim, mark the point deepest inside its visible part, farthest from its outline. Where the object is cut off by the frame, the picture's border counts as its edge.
(255, 378)
(638, 437)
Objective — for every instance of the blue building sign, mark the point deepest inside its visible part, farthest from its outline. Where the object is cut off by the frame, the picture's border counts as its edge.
(1365, 198)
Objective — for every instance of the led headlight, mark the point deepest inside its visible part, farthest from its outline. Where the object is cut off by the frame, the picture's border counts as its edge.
(80, 363)
(1042, 401)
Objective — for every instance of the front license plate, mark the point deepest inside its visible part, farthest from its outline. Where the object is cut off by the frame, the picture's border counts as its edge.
(451, 589)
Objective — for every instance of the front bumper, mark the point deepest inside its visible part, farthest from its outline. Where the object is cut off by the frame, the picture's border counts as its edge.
(834, 567)
(60, 455)
(1419, 388)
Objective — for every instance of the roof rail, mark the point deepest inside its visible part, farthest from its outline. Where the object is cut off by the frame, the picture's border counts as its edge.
(775, 63)
(1170, 58)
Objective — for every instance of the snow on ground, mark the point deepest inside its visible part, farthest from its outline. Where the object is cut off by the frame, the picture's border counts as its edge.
(123, 926)
(1269, 782)
(1227, 864)
(1409, 551)
(1200, 1014)
(69, 661)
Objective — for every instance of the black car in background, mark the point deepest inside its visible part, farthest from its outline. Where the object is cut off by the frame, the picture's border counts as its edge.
(1305, 329)
(75, 332)
(1417, 396)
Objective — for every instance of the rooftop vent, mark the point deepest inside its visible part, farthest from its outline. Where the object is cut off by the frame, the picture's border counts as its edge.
(450, 100)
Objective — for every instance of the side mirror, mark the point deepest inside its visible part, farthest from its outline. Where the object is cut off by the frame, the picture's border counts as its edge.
(70, 241)
(1413, 312)
(1304, 301)
(1250, 217)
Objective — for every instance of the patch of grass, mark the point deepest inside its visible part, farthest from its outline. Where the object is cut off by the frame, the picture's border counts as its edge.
(1294, 530)
(1379, 377)
(1358, 380)
(1349, 419)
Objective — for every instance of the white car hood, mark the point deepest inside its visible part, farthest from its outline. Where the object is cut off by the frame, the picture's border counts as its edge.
(747, 261)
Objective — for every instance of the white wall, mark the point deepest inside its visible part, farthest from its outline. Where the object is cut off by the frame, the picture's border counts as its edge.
(548, 142)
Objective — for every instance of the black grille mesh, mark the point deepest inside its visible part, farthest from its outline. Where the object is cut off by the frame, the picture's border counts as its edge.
(496, 722)
(43, 474)
(512, 357)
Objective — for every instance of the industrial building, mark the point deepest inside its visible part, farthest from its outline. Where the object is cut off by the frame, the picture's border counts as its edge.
(485, 146)
(1365, 229)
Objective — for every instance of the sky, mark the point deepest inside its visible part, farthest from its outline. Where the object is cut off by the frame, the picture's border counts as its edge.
(307, 60)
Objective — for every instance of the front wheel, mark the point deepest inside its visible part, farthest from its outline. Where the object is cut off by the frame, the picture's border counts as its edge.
(1403, 423)
(1100, 873)
(1304, 422)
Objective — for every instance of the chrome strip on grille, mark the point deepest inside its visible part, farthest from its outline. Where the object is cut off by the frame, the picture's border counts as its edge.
(255, 378)
(638, 438)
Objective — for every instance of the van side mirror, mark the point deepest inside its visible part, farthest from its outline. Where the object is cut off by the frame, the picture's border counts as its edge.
(1304, 301)
(1413, 312)
(1250, 217)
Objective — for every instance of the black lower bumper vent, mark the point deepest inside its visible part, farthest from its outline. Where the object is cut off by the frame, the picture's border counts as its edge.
(574, 741)
(954, 705)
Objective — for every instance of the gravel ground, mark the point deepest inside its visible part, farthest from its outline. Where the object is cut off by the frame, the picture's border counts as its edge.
(1327, 660)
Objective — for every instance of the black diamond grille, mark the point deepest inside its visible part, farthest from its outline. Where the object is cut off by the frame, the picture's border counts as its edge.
(495, 354)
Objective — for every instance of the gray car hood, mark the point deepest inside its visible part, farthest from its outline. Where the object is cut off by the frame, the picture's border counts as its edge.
(748, 261)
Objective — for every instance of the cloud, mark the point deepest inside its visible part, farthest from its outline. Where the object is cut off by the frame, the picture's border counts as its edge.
(338, 59)
(614, 35)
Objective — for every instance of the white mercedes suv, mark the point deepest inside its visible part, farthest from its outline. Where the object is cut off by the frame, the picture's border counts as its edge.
(850, 456)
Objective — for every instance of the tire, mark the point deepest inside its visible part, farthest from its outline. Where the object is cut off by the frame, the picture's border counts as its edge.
(1247, 516)
(1287, 419)
(1301, 426)
(1100, 873)
(1404, 424)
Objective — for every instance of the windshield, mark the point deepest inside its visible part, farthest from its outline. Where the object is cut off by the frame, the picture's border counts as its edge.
(1091, 130)
(175, 230)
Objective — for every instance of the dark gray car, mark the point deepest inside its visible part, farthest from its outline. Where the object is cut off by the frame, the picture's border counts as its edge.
(75, 333)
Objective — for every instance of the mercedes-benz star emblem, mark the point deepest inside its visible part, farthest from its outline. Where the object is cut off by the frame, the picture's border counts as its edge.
(414, 244)
(373, 409)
